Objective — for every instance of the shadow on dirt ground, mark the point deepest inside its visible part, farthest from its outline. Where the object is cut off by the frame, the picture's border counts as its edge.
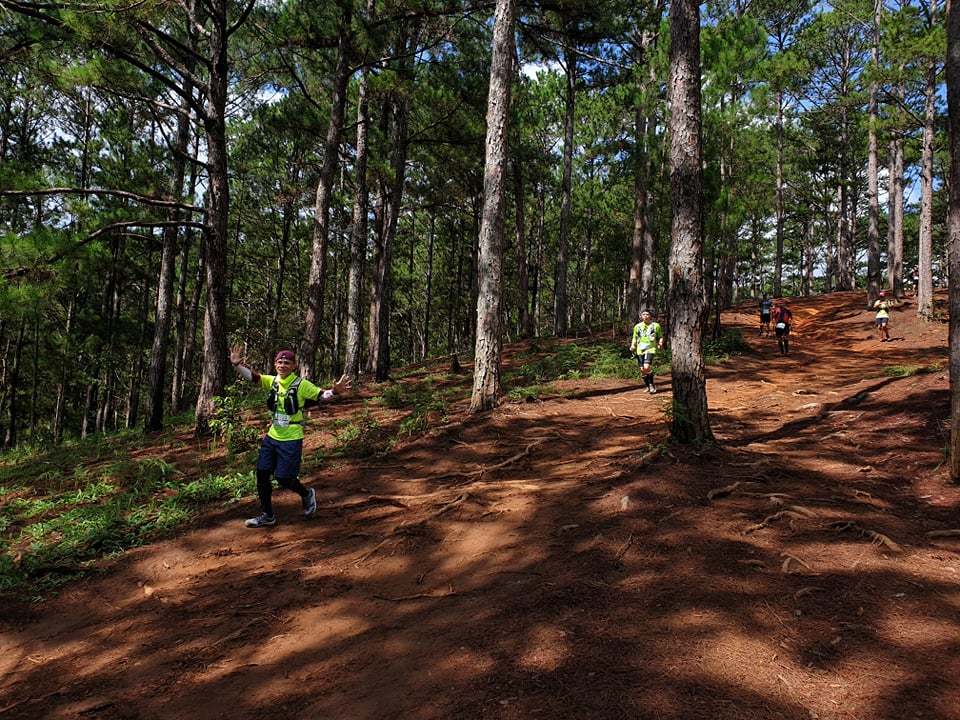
(557, 559)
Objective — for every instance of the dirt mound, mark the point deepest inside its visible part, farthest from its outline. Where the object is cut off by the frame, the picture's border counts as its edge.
(554, 559)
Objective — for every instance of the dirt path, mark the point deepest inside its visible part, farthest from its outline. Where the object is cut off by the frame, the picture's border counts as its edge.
(540, 562)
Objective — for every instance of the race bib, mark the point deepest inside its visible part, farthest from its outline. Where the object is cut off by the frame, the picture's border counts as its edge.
(781, 326)
(281, 420)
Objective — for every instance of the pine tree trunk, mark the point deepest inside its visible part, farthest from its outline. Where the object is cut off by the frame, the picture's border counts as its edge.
(925, 262)
(895, 228)
(425, 350)
(560, 304)
(778, 261)
(953, 227)
(190, 340)
(321, 223)
(486, 368)
(641, 172)
(136, 378)
(537, 298)
(215, 357)
(13, 383)
(381, 282)
(524, 319)
(873, 222)
(358, 236)
(65, 364)
(176, 385)
(690, 423)
(156, 375)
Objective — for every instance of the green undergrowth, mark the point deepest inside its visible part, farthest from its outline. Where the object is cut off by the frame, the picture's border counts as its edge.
(902, 371)
(547, 362)
(49, 537)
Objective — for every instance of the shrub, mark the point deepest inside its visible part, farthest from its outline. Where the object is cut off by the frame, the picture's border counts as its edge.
(228, 424)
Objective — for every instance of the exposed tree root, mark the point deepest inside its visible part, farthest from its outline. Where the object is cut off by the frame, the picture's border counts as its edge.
(418, 596)
(483, 470)
(943, 533)
(788, 559)
(875, 537)
(405, 528)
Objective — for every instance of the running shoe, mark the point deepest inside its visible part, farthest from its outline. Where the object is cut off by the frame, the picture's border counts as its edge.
(310, 503)
(261, 520)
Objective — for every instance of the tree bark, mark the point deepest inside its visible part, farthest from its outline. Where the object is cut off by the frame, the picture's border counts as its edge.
(316, 279)
(689, 423)
(925, 262)
(136, 377)
(425, 350)
(358, 236)
(563, 241)
(524, 318)
(215, 358)
(778, 262)
(486, 369)
(161, 327)
(13, 381)
(381, 281)
(65, 362)
(190, 339)
(953, 227)
(895, 230)
(873, 222)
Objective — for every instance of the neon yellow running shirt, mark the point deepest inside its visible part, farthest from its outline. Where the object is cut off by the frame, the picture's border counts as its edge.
(289, 427)
(883, 305)
(646, 337)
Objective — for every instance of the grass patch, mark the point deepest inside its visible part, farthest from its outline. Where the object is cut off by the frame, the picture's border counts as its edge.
(45, 540)
(529, 393)
(902, 371)
(359, 436)
(731, 342)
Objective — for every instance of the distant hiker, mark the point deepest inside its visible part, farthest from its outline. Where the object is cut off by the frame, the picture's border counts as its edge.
(647, 339)
(282, 446)
(883, 317)
(782, 319)
(766, 307)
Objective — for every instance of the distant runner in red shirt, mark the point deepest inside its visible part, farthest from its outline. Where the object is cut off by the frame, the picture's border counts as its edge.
(782, 319)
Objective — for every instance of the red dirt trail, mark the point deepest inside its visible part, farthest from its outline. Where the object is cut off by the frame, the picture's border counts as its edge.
(576, 576)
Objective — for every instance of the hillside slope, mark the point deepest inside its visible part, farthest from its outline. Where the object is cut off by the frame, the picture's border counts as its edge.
(553, 560)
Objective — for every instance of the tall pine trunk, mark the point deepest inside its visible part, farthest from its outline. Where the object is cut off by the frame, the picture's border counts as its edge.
(321, 222)
(690, 423)
(61, 401)
(215, 360)
(524, 318)
(486, 368)
(925, 262)
(560, 304)
(778, 260)
(358, 235)
(425, 350)
(953, 227)
(895, 229)
(13, 382)
(381, 281)
(162, 316)
(873, 221)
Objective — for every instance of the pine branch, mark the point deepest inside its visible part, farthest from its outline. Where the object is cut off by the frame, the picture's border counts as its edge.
(184, 50)
(242, 19)
(145, 199)
(14, 273)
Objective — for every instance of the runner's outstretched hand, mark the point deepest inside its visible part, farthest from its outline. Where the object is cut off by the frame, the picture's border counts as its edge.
(343, 385)
(236, 354)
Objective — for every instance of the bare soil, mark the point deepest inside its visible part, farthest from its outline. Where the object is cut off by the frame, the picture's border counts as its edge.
(545, 560)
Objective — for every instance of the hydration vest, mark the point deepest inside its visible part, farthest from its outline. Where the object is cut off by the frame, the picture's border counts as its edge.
(291, 401)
